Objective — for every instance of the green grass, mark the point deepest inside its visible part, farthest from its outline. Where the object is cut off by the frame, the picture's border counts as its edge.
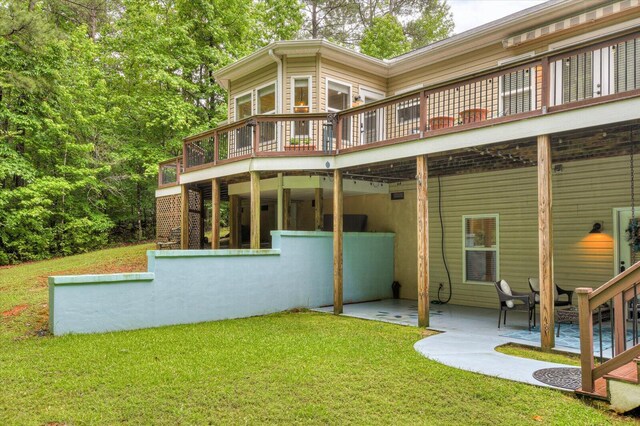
(523, 351)
(280, 369)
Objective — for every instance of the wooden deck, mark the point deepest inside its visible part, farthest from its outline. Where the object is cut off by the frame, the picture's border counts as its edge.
(627, 373)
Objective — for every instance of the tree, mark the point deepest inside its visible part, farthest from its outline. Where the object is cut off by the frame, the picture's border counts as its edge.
(347, 21)
(384, 38)
(435, 23)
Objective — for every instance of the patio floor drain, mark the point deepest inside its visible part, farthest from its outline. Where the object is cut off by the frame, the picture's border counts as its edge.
(565, 378)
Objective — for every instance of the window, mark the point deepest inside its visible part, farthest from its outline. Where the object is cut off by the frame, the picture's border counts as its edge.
(481, 254)
(516, 91)
(244, 108)
(243, 135)
(267, 99)
(301, 95)
(339, 98)
(301, 103)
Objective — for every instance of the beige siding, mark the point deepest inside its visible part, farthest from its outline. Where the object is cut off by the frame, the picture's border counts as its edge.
(345, 74)
(300, 67)
(583, 193)
(249, 83)
(482, 59)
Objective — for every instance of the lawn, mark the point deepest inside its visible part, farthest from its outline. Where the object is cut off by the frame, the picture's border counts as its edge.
(285, 368)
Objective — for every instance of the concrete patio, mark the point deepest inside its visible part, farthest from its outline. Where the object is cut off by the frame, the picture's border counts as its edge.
(468, 339)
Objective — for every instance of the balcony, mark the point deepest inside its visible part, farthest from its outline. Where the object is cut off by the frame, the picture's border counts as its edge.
(599, 73)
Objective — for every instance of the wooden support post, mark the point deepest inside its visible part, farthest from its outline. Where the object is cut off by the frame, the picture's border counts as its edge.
(280, 209)
(319, 200)
(286, 213)
(234, 223)
(337, 241)
(545, 244)
(184, 218)
(586, 338)
(255, 210)
(423, 241)
(215, 214)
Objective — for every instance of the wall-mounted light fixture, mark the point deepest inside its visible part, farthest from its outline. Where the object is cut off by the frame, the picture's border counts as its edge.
(597, 228)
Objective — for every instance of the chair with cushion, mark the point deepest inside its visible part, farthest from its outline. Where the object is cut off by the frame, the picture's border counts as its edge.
(534, 285)
(514, 301)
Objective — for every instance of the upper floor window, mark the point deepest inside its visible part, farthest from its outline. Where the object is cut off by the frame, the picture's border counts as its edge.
(408, 111)
(480, 248)
(301, 94)
(267, 99)
(244, 107)
(338, 96)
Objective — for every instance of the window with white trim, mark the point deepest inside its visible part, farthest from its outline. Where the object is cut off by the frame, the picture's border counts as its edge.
(244, 106)
(480, 248)
(339, 98)
(244, 109)
(301, 103)
(267, 99)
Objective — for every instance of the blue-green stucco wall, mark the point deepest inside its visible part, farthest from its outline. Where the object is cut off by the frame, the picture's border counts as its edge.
(189, 286)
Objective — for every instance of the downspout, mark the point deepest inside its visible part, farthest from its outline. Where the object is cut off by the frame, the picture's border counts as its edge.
(279, 94)
(279, 85)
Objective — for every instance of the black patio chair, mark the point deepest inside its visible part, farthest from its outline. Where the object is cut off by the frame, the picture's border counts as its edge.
(514, 301)
(534, 285)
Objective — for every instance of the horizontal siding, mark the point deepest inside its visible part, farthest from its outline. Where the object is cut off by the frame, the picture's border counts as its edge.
(250, 82)
(346, 74)
(300, 67)
(479, 60)
(583, 193)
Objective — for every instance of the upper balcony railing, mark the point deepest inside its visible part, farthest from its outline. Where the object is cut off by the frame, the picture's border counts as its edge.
(169, 172)
(593, 74)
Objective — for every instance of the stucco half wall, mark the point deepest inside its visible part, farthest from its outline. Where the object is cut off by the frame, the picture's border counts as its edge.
(189, 286)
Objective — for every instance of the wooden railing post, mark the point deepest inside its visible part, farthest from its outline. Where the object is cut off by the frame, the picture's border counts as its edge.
(586, 338)
(216, 148)
(618, 318)
(545, 87)
(338, 133)
(424, 111)
(184, 155)
(256, 136)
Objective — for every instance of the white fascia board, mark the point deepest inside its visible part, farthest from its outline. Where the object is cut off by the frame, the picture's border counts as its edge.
(171, 190)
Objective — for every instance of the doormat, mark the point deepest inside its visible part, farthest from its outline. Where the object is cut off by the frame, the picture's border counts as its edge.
(563, 377)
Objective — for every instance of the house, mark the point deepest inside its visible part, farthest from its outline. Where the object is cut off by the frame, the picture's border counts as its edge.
(506, 152)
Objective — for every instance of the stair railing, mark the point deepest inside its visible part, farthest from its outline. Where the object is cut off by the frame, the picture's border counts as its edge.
(617, 300)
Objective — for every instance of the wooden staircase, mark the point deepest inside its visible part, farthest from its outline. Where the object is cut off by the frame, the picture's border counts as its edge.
(621, 387)
(615, 380)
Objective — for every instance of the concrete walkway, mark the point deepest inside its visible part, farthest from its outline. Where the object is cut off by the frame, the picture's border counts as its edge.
(468, 339)
(477, 353)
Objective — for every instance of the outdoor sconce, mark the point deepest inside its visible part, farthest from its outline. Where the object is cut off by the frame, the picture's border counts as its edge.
(357, 101)
(597, 228)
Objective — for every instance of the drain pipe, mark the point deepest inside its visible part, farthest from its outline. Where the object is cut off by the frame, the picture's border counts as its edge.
(279, 94)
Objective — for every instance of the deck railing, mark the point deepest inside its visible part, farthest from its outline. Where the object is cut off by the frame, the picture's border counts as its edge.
(169, 172)
(597, 73)
(616, 301)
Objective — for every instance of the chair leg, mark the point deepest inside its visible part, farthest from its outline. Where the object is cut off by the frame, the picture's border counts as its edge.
(505, 318)
(558, 332)
(499, 317)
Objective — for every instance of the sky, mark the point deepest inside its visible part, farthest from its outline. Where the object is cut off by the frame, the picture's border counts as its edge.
(469, 14)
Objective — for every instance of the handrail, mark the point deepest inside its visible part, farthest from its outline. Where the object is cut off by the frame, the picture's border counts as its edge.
(619, 293)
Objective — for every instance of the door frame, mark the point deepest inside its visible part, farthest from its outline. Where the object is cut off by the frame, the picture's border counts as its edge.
(616, 236)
